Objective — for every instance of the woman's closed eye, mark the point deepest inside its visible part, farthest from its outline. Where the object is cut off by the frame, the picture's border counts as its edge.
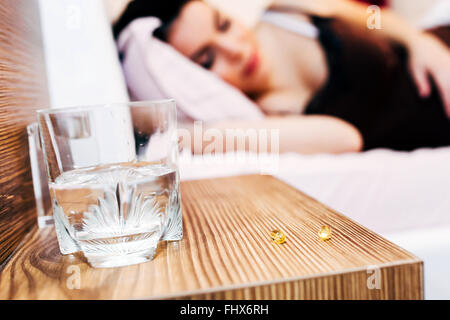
(206, 58)
(223, 24)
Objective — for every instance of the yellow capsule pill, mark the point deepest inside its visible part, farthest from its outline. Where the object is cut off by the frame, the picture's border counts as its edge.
(278, 236)
(325, 233)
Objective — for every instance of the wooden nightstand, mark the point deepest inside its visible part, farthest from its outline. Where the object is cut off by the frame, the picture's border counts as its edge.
(227, 253)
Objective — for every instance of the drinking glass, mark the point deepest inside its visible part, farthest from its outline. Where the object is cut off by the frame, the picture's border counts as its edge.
(113, 179)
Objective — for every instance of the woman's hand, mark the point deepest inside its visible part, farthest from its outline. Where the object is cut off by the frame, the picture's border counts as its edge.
(430, 57)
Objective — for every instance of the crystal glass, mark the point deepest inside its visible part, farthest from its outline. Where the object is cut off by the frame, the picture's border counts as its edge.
(113, 179)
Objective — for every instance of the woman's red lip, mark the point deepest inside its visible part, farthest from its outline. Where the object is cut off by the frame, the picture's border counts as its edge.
(251, 65)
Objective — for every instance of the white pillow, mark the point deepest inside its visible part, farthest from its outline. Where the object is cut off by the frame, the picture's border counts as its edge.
(154, 70)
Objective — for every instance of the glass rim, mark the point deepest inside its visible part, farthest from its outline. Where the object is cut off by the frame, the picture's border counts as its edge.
(143, 103)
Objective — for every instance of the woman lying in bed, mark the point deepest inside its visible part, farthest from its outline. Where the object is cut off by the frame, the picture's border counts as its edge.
(348, 89)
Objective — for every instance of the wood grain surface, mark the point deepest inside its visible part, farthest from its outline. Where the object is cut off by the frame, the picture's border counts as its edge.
(227, 253)
(22, 90)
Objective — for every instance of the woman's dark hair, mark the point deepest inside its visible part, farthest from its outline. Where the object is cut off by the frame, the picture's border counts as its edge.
(166, 10)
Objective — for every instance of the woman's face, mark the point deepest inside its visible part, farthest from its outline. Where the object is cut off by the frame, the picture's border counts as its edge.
(221, 45)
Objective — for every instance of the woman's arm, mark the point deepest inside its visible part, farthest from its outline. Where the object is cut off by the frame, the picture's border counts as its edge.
(428, 55)
(303, 134)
